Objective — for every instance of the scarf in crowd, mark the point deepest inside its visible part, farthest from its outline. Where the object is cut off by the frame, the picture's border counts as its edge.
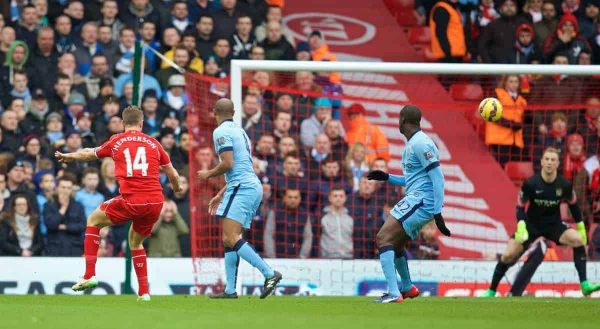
(24, 231)
(318, 156)
(488, 14)
(525, 50)
(54, 136)
(124, 63)
(25, 95)
(176, 102)
(252, 120)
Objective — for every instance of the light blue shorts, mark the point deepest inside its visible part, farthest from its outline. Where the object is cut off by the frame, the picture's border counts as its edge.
(240, 202)
(411, 214)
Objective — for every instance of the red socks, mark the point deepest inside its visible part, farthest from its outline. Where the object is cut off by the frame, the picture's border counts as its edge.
(138, 257)
(90, 250)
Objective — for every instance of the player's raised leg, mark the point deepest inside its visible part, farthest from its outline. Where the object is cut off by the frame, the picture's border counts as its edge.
(574, 239)
(91, 243)
(390, 237)
(508, 259)
(232, 232)
(140, 264)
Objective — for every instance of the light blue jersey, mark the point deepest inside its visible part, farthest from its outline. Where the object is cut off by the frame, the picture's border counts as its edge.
(424, 184)
(243, 185)
(231, 137)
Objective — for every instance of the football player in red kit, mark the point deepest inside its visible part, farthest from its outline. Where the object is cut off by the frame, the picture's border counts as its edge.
(138, 158)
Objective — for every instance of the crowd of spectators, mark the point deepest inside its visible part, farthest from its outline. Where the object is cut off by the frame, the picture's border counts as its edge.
(539, 111)
(66, 74)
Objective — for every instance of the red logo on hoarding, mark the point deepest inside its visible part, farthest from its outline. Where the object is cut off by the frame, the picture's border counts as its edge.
(337, 29)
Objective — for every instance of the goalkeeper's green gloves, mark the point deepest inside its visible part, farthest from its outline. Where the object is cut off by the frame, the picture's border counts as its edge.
(521, 235)
(582, 232)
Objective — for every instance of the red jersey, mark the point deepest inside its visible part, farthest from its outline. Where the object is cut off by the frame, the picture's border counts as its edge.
(137, 159)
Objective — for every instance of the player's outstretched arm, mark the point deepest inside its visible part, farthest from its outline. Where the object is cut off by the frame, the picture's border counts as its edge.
(379, 175)
(173, 177)
(437, 180)
(224, 166)
(87, 154)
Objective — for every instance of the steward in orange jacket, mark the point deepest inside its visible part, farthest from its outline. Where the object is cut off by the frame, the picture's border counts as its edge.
(361, 131)
(447, 34)
(320, 53)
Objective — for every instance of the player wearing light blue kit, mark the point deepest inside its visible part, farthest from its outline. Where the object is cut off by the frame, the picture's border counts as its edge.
(423, 202)
(238, 200)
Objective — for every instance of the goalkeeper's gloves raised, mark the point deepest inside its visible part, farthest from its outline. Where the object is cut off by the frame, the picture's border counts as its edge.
(441, 225)
(378, 175)
(582, 232)
(521, 235)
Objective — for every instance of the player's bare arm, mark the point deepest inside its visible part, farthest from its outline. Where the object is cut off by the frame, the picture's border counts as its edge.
(224, 166)
(87, 154)
(173, 177)
(214, 203)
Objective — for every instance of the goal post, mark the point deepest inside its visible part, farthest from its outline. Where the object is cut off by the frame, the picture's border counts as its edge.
(555, 105)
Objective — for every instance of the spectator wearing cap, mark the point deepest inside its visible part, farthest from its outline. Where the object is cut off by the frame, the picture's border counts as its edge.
(11, 134)
(274, 14)
(15, 182)
(44, 60)
(447, 33)
(84, 126)
(243, 40)
(276, 46)
(303, 51)
(65, 219)
(175, 97)
(254, 122)
(168, 141)
(15, 59)
(315, 124)
(498, 38)
(361, 131)
(138, 12)
(75, 106)
(525, 50)
(547, 25)
(566, 40)
(320, 53)
(54, 130)
(226, 18)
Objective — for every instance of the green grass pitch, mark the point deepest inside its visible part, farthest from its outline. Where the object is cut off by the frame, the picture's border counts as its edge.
(174, 312)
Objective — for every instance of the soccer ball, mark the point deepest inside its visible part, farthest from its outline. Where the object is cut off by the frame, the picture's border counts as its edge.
(490, 109)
